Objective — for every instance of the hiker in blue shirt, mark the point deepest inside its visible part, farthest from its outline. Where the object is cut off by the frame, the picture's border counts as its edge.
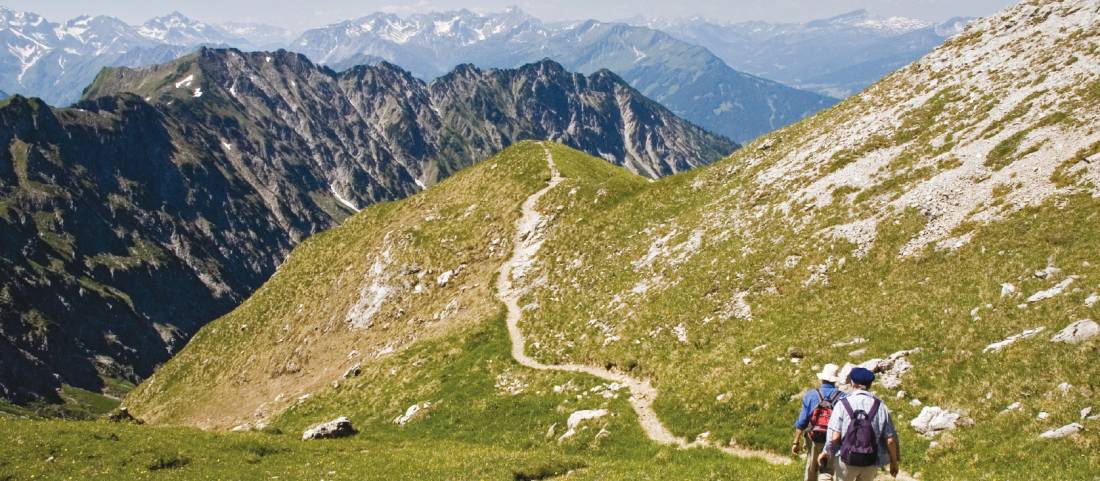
(862, 438)
(813, 423)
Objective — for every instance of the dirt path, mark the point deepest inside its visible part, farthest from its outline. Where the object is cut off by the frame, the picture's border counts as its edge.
(530, 234)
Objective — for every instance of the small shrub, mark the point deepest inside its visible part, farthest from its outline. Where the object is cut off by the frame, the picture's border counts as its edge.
(545, 470)
(168, 461)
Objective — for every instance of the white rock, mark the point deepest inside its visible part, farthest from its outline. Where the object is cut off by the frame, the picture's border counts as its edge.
(932, 420)
(1062, 431)
(915, 403)
(887, 371)
(1043, 416)
(353, 371)
(1085, 412)
(444, 278)
(1065, 387)
(1016, 406)
(577, 418)
(1092, 300)
(1053, 291)
(999, 345)
(411, 413)
(1007, 290)
(852, 342)
(1049, 271)
(1077, 332)
(337, 428)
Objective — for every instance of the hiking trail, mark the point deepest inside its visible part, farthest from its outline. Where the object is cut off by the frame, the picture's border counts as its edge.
(528, 239)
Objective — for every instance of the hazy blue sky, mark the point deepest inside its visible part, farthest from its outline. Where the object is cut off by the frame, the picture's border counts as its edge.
(300, 14)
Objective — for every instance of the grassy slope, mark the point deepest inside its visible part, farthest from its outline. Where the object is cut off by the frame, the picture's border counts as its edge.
(627, 314)
(490, 418)
(293, 336)
(475, 431)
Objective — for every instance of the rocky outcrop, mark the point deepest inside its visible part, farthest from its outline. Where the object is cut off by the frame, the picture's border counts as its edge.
(933, 420)
(1064, 431)
(1077, 332)
(337, 428)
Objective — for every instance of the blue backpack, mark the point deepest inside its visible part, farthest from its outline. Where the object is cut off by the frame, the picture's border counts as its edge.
(859, 447)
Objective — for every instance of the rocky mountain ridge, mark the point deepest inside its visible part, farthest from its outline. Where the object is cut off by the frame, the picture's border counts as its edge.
(686, 78)
(171, 192)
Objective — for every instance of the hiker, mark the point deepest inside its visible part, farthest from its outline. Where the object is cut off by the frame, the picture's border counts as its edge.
(862, 438)
(813, 423)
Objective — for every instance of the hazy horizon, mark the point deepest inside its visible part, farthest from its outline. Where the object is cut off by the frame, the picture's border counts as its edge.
(298, 16)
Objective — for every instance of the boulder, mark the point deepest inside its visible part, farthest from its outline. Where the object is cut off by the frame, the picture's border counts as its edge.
(1077, 332)
(1063, 431)
(337, 428)
(887, 371)
(122, 415)
(577, 418)
(412, 413)
(933, 420)
(353, 371)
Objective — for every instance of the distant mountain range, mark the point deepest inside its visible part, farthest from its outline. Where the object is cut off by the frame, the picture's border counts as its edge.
(686, 78)
(171, 192)
(55, 61)
(729, 78)
(837, 56)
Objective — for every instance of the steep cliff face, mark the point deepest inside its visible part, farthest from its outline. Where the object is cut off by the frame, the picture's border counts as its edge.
(171, 192)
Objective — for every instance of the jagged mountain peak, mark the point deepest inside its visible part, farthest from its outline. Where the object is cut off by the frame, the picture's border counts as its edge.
(178, 29)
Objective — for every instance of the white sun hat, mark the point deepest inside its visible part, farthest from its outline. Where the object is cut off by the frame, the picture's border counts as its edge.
(829, 373)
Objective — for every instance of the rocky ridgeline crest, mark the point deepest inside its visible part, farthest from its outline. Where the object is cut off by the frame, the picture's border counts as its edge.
(171, 192)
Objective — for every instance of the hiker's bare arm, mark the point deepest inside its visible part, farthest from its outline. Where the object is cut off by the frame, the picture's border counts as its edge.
(892, 448)
(797, 443)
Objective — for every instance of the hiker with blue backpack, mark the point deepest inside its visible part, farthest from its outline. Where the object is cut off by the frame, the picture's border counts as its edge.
(861, 438)
(813, 423)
